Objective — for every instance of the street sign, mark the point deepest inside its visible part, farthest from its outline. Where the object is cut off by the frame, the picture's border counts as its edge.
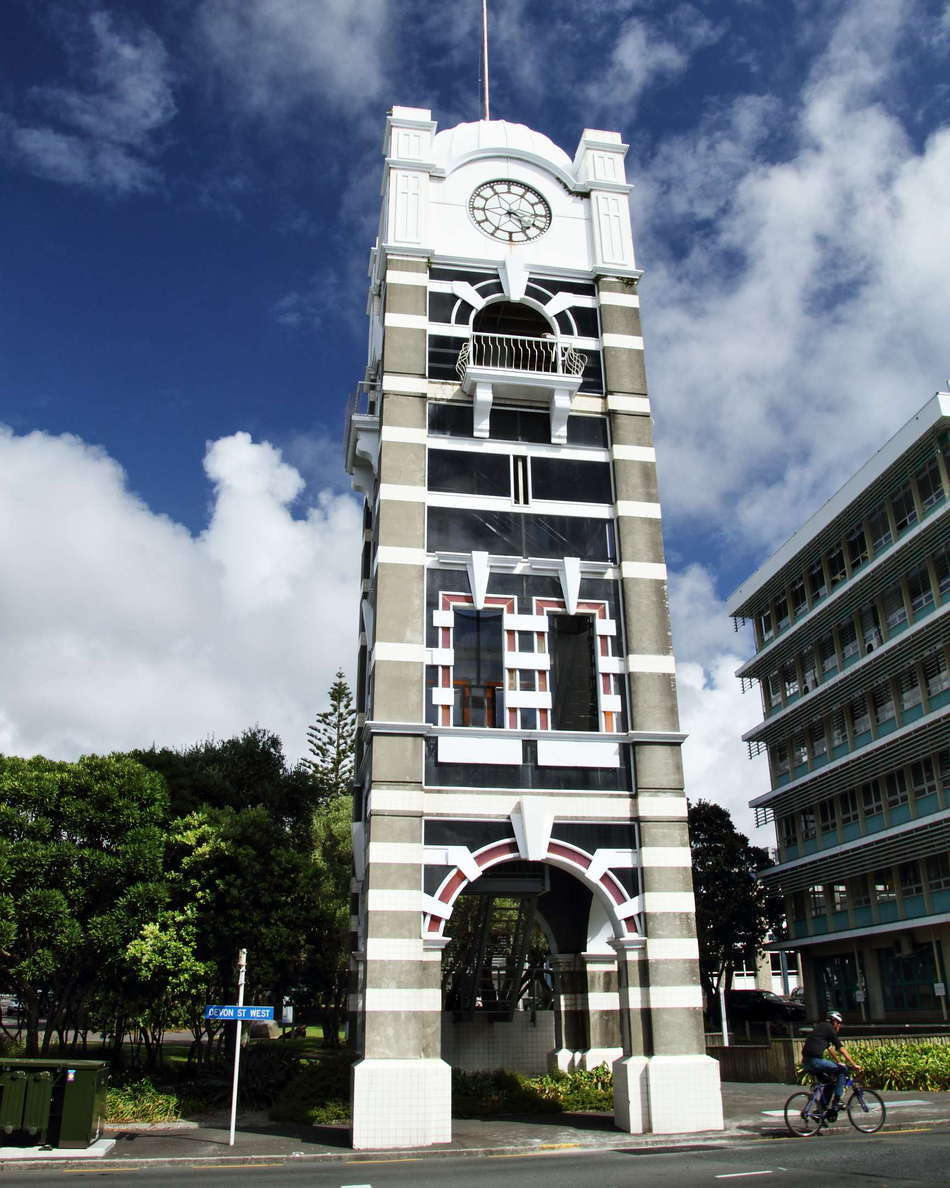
(233, 1013)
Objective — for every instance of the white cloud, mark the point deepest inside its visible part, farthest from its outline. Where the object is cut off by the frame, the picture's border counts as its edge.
(276, 54)
(713, 710)
(119, 629)
(101, 136)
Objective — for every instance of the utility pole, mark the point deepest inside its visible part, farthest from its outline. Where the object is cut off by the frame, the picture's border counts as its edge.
(242, 969)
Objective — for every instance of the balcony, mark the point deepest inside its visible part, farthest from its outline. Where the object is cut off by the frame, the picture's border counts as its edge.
(361, 439)
(514, 366)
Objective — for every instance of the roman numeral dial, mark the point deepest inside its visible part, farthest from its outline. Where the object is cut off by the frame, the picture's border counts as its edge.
(509, 211)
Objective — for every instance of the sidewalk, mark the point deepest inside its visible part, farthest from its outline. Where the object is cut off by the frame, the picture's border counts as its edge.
(753, 1113)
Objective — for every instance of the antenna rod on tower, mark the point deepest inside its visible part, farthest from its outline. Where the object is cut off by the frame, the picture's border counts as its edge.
(485, 58)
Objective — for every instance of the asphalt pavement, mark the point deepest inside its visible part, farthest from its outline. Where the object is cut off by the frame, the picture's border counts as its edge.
(752, 1113)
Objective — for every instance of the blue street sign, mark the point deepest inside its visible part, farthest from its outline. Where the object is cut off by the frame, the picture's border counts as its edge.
(257, 1013)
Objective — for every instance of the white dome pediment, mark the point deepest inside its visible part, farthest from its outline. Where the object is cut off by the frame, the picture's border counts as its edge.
(483, 138)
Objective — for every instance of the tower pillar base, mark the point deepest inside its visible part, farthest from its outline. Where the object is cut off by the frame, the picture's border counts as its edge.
(401, 1103)
(667, 1094)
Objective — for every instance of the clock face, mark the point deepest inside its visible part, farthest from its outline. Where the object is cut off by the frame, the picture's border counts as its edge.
(509, 211)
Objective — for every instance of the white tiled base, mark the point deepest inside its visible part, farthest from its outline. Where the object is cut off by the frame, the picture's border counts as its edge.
(401, 1103)
(95, 1150)
(562, 1060)
(684, 1094)
(595, 1057)
(631, 1094)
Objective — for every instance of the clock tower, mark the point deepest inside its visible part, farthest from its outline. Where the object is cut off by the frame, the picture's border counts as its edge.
(519, 739)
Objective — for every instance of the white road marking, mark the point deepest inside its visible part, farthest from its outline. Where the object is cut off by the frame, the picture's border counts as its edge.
(891, 1105)
(739, 1175)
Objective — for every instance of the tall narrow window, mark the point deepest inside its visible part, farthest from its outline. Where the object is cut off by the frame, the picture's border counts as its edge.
(574, 704)
(478, 672)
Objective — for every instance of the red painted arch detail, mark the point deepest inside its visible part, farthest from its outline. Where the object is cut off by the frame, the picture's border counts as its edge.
(578, 857)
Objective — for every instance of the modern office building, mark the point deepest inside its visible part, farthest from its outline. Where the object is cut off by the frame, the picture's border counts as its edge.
(518, 732)
(852, 635)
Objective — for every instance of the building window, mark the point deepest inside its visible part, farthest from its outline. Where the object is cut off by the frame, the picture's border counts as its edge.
(816, 582)
(470, 473)
(860, 718)
(574, 697)
(941, 564)
(799, 598)
(896, 789)
(780, 760)
(883, 702)
(827, 816)
(799, 751)
(910, 880)
(790, 680)
(895, 612)
(929, 486)
(809, 671)
(819, 743)
(860, 895)
(848, 807)
(905, 510)
(781, 614)
(839, 897)
(870, 629)
(938, 872)
(839, 729)
(938, 678)
(478, 672)
(920, 591)
(942, 764)
(806, 824)
(884, 889)
(816, 900)
(765, 625)
(857, 547)
(922, 781)
(827, 654)
(911, 692)
(773, 690)
(871, 798)
(848, 638)
(879, 527)
(907, 979)
(787, 829)
(836, 567)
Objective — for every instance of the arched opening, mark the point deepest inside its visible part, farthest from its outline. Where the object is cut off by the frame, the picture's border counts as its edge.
(511, 317)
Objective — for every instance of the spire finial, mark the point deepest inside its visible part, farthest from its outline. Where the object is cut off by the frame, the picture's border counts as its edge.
(487, 116)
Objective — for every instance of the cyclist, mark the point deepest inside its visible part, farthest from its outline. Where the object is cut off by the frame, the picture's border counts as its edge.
(825, 1036)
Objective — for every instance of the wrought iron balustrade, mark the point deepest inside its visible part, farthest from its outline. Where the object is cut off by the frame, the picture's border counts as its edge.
(511, 352)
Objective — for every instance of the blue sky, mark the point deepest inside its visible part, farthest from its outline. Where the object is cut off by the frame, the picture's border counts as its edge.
(189, 195)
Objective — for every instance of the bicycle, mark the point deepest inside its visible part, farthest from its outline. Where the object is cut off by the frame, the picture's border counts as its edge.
(807, 1112)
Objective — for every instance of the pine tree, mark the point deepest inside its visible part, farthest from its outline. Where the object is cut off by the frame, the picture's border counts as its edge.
(332, 741)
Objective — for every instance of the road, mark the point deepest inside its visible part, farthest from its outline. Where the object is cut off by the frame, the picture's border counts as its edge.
(887, 1160)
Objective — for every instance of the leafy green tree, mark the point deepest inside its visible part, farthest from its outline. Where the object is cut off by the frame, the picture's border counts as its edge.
(328, 953)
(332, 740)
(81, 848)
(734, 911)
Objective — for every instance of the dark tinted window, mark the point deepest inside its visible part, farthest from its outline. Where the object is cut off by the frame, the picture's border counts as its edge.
(451, 420)
(563, 478)
(586, 321)
(517, 424)
(589, 431)
(443, 355)
(469, 473)
(574, 698)
(593, 379)
(514, 535)
(441, 306)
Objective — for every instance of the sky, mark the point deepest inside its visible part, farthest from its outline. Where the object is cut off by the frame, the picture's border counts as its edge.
(189, 195)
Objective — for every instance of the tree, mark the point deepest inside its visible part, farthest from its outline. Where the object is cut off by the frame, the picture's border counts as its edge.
(332, 739)
(81, 849)
(734, 911)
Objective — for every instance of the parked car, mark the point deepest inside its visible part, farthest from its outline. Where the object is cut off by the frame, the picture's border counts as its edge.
(762, 1006)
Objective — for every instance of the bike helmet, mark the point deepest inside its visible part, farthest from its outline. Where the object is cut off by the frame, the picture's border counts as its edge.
(834, 1017)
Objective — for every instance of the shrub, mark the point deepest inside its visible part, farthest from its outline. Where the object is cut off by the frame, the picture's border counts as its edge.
(904, 1065)
(500, 1092)
(318, 1094)
(140, 1101)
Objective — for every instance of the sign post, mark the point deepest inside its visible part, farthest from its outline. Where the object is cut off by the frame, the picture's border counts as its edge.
(237, 1014)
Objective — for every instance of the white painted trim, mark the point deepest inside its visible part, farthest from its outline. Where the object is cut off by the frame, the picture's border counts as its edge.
(440, 656)
(630, 342)
(401, 853)
(570, 804)
(535, 661)
(610, 703)
(443, 618)
(594, 1000)
(678, 948)
(630, 300)
(675, 997)
(644, 663)
(443, 696)
(400, 433)
(380, 899)
(638, 508)
(479, 750)
(565, 753)
(404, 321)
(402, 653)
(402, 493)
(403, 1000)
(662, 806)
(399, 555)
(632, 453)
(517, 622)
(585, 402)
(667, 901)
(605, 626)
(612, 664)
(537, 449)
(405, 385)
(395, 277)
(387, 800)
(592, 511)
(459, 856)
(666, 856)
(648, 570)
(527, 699)
(379, 948)
(628, 404)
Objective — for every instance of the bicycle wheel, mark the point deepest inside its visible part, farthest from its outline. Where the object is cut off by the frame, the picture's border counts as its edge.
(802, 1114)
(866, 1111)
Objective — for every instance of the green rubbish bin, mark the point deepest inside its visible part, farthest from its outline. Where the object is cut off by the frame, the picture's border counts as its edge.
(60, 1103)
(12, 1096)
